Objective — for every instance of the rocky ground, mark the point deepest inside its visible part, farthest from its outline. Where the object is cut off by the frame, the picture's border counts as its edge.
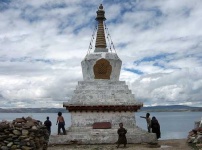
(162, 144)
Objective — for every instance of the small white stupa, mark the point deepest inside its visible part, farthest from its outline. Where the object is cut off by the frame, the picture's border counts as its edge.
(101, 101)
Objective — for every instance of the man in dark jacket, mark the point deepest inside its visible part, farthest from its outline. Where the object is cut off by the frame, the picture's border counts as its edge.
(48, 125)
(122, 135)
(155, 127)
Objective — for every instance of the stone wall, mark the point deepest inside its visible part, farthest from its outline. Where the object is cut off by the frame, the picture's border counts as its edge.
(86, 119)
(23, 134)
(195, 135)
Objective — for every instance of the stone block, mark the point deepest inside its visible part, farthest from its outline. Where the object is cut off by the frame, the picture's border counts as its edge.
(102, 125)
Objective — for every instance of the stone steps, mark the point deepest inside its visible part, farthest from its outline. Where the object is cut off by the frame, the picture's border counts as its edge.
(106, 96)
(80, 130)
(101, 82)
(102, 87)
(127, 91)
(103, 136)
(102, 92)
(103, 103)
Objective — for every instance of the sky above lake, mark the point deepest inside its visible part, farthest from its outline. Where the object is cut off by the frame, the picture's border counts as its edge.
(42, 44)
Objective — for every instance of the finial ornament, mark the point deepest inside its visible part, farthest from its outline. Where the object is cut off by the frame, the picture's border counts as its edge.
(99, 34)
(100, 44)
(100, 7)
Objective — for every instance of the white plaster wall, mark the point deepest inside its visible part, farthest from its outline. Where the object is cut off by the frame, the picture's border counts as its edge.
(90, 60)
(102, 92)
(86, 119)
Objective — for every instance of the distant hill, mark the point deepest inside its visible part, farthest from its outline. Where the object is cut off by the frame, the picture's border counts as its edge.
(32, 110)
(171, 108)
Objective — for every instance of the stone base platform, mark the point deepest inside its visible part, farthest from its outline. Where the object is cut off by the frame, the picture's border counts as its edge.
(101, 136)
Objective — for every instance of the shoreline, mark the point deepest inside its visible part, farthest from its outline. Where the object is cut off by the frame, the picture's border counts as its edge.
(171, 144)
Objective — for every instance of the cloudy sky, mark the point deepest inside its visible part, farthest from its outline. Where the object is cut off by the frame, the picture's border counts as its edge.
(42, 43)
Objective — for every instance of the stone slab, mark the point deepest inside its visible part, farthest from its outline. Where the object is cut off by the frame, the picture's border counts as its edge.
(102, 125)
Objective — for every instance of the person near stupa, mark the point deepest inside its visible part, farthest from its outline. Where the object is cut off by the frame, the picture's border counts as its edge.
(48, 125)
(148, 120)
(61, 123)
(121, 135)
(155, 126)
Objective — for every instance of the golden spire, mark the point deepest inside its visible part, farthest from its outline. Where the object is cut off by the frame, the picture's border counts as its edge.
(100, 44)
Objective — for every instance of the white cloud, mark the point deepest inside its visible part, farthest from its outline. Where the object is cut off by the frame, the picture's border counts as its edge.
(43, 43)
(180, 86)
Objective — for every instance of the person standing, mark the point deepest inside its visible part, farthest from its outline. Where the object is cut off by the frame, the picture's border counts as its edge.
(148, 119)
(122, 135)
(48, 125)
(61, 123)
(155, 127)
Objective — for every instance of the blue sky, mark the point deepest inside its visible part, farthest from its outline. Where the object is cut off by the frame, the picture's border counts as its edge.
(44, 42)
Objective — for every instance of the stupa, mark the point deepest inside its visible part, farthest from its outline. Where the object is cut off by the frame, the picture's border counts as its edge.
(100, 102)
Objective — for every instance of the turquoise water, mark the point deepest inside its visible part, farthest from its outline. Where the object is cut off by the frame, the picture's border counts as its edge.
(174, 125)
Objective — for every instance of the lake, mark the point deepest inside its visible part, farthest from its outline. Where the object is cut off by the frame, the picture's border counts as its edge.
(174, 125)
